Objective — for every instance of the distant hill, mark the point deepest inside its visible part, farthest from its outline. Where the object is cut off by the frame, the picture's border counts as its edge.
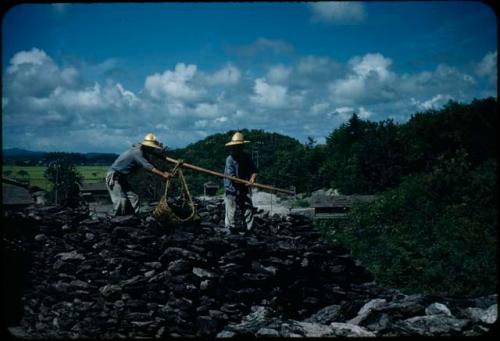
(268, 151)
(25, 157)
(20, 152)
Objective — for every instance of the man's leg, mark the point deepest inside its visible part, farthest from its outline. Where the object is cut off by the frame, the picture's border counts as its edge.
(230, 205)
(134, 201)
(118, 197)
(249, 211)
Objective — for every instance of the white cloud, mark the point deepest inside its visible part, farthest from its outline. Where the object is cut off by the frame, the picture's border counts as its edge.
(436, 102)
(317, 68)
(309, 97)
(371, 63)
(33, 57)
(278, 73)
(338, 12)
(228, 75)
(177, 84)
(263, 45)
(364, 113)
(207, 110)
(488, 67)
(318, 108)
(201, 124)
(270, 96)
(369, 81)
(344, 113)
(33, 72)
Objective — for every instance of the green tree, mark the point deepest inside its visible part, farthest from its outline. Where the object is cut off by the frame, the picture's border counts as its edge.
(24, 175)
(66, 181)
(434, 233)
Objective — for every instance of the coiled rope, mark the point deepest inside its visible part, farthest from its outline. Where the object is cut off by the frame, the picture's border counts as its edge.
(163, 212)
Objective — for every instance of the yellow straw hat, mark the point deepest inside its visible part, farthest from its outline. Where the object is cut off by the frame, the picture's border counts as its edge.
(237, 139)
(151, 141)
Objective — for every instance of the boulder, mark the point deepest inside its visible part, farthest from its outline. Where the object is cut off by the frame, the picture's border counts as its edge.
(437, 309)
(349, 330)
(433, 325)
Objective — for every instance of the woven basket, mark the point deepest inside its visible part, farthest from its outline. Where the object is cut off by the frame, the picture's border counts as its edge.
(164, 213)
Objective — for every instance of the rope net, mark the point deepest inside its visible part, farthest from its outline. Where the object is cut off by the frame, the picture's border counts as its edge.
(180, 211)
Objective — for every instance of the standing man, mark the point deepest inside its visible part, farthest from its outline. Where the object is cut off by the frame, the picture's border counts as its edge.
(237, 195)
(125, 201)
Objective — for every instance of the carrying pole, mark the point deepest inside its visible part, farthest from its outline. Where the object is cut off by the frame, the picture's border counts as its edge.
(221, 175)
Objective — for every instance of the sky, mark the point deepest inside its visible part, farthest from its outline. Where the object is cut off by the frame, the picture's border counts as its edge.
(98, 77)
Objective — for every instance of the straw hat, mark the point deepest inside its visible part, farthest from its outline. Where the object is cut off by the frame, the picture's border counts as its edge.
(151, 141)
(237, 139)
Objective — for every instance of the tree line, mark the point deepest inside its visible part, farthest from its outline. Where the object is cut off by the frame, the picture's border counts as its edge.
(360, 156)
(434, 227)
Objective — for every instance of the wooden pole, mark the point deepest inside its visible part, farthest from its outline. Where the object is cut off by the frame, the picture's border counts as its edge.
(221, 175)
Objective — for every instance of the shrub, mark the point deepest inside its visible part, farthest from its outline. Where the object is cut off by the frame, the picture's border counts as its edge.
(434, 233)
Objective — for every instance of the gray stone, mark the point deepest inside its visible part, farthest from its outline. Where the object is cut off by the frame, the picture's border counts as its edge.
(203, 273)
(309, 329)
(110, 290)
(79, 284)
(488, 316)
(476, 330)
(225, 334)
(73, 255)
(40, 237)
(179, 266)
(433, 325)
(326, 315)
(267, 332)
(366, 310)
(252, 322)
(437, 309)
(349, 330)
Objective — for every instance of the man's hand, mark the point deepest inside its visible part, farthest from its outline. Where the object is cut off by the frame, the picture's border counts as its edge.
(167, 175)
(252, 179)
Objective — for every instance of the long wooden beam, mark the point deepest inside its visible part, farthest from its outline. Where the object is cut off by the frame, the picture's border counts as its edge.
(221, 175)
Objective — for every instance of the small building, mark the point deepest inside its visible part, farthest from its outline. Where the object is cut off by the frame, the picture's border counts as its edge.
(210, 188)
(94, 192)
(39, 196)
(332, 206)
(16, 197)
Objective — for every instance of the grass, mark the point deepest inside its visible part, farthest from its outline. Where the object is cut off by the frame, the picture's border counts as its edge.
(36, 178)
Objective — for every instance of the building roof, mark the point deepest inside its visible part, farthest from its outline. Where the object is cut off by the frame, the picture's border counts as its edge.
(15, 195)
(210, 184)
(93, 187)
(340, 200)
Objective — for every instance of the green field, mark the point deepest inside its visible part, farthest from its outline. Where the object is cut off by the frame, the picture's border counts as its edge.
(36, 178)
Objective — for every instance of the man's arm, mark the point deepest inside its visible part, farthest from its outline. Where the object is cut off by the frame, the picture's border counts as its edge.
(148, 166)
(166, 175)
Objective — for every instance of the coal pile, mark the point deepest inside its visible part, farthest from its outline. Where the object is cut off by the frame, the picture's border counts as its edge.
(133, 277)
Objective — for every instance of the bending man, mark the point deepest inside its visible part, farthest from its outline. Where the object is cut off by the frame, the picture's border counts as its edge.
(125, 201)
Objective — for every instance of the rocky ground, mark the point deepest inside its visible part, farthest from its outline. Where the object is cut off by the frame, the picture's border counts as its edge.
(130, 277)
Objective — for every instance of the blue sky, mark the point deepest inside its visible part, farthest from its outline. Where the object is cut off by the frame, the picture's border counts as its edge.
(98, 77)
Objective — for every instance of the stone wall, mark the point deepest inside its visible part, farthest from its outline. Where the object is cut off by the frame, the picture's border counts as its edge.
(132, 277)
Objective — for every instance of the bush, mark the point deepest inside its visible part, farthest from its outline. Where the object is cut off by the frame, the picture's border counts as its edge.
(435, 233)
(65, 181)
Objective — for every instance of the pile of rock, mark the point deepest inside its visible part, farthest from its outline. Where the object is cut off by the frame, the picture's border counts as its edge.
(132, 277)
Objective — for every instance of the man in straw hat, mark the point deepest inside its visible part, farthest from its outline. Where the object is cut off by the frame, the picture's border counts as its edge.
(237, 195)
(125, 201)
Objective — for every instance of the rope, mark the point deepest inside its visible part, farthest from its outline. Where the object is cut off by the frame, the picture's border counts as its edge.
(163, 212)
